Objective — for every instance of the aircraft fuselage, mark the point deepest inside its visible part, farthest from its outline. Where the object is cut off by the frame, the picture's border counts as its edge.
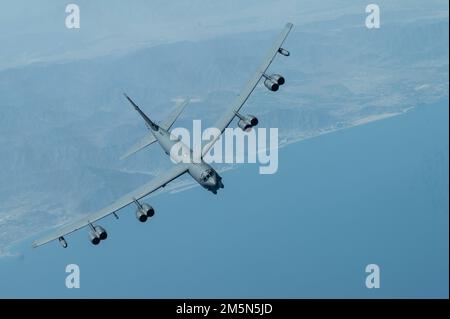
(202, 172)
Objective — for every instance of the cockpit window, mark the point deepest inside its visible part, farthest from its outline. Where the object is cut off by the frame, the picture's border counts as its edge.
(207, 175)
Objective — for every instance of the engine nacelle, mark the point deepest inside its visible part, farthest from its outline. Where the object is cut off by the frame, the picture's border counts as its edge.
(279, 79)
(141, 216)
(94, 238)
(144, 212)
(149, 210)
(271, 85)
(247, 122)
(101, 232)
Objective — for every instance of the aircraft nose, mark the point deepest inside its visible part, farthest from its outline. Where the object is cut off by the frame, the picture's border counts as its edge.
(212, 181)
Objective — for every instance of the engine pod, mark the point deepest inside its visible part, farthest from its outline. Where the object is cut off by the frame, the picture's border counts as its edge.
(94, 238)
(271, 85)
(278, 78)
(101, 232)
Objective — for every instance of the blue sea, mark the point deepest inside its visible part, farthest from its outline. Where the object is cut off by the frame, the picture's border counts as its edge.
(372, 194)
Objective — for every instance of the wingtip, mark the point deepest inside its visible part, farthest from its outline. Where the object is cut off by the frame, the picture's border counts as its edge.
(181, 100)
(187, 101)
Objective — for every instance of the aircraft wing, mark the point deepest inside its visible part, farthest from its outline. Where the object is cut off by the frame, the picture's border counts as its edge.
(240, 100)
(155, 184)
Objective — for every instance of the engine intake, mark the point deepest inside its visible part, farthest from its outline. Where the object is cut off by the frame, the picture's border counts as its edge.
(271, 84)
(247, 122)
(144, 212)
(94, 238)
(101, 232)
(279, 79)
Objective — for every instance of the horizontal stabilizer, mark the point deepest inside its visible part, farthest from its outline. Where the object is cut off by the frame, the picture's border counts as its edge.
(144, 142)
(172, 117)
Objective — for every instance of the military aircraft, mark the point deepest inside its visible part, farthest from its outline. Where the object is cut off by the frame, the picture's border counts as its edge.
(200, 171)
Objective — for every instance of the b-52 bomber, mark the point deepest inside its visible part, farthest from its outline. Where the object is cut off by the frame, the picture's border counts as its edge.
(160, 132)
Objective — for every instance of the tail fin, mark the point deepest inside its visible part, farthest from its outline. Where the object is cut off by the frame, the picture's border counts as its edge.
(149, 138)
(150, 123)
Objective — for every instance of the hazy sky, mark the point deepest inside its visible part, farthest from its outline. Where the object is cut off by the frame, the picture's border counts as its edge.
(35, 30)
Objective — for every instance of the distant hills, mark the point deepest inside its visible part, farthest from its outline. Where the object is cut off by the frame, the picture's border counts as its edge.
(64, 125)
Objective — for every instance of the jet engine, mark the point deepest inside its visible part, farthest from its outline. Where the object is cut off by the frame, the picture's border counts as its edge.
(101, 232)
(247, 122)
(271, 84)
(144, 212)
(97, 234)
(94, 238)
(277, 78)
